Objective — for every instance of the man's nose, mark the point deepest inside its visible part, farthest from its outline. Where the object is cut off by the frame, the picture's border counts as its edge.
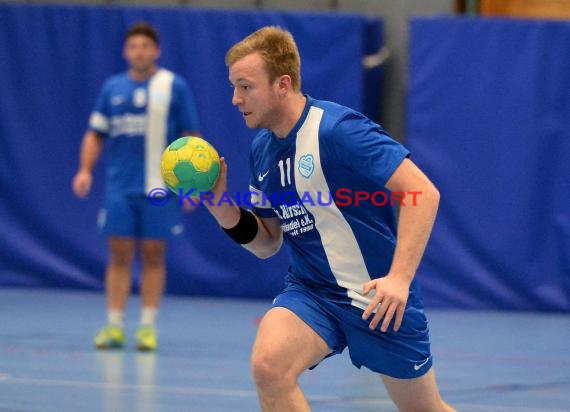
(236, 98)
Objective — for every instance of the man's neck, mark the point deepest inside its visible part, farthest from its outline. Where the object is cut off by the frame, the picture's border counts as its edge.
(292, 112)
(141, 76)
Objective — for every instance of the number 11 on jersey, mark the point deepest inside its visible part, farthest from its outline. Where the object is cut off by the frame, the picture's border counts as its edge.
(285, 172)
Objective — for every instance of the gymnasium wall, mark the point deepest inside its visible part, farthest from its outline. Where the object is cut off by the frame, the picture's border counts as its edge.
(394, 14)
(487, 118)
(53, 61)
(489, 121)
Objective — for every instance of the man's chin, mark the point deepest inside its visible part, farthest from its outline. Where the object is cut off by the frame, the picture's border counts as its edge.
(251, 124)
(140, 68)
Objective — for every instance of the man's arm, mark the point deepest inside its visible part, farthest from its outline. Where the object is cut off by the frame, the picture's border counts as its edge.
(89, 153)
(415, 223)
(269, 236)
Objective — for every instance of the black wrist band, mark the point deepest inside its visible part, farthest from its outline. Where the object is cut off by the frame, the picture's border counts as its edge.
(245, 230)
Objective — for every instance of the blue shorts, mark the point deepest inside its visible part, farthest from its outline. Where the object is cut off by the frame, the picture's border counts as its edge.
(135, 216)
(404, 354)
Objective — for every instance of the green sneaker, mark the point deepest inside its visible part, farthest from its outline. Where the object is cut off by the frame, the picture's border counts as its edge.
(110, 337)
(146, 338)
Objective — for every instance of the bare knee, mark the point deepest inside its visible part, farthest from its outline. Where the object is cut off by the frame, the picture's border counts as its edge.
(153, 253)
(120, 260)
(271, 372)
(285, 346)
(121, 252)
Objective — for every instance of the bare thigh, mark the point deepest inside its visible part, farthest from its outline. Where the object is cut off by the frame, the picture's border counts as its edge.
(287, 343)
(121, 250)
(153, 252)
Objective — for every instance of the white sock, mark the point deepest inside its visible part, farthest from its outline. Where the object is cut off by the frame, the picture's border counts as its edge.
(116, 317)
(148, 316)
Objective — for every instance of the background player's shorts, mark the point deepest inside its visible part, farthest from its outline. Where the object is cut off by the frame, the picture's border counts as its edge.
(404, 354)
(135, 216)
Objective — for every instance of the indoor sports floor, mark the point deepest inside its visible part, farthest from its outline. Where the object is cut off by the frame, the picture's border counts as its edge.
(485, 361)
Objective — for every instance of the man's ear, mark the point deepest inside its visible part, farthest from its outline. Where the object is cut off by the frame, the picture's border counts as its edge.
(284, 84)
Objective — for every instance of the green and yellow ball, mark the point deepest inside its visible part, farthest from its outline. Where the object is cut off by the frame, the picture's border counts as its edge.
(190, 163)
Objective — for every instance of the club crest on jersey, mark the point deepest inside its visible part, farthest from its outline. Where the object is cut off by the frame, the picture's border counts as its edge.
(306, 165)
(139, 97)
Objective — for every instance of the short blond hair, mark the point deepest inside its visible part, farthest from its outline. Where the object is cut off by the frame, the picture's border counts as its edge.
(278, 50)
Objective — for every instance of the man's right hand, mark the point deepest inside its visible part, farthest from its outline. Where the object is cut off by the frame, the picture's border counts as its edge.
(221, 185)
(81, 184)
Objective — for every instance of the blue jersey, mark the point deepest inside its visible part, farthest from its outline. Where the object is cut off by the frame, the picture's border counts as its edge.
(139, 119)
(309, 181)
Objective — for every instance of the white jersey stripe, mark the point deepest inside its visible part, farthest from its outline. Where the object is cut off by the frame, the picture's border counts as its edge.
(159, 95)
(338, 240)
(99, 122)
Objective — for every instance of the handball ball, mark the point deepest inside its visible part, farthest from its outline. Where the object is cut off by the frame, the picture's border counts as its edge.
(190, 163)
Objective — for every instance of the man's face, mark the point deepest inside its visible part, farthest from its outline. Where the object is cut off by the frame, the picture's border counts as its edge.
(255, 96)
(141, 52)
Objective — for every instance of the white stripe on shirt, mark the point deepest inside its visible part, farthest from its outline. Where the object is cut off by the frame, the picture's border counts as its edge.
(339, 243)
(158, 108)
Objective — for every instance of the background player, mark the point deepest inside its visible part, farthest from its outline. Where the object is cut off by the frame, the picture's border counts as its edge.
(350, 284)
(138, 114)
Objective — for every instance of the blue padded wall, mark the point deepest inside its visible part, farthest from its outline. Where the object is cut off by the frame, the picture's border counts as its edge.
(489, 121)
(53, 61)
